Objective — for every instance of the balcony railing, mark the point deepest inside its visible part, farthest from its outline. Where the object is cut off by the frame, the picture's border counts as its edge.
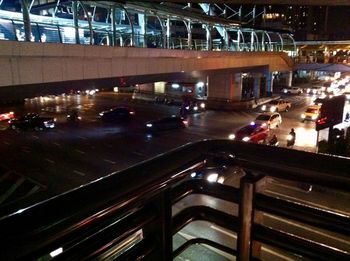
(130, 215)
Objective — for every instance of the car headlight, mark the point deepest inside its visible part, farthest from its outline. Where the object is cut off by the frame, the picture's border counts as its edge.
(202, 105)
(273, 108)
(314, 117)
(246, 139)
(149, 125)
(213, 177)
(195, 108)
(285, 91)
(303, 116)
(263, 107)
(101, 113)
(231, 136)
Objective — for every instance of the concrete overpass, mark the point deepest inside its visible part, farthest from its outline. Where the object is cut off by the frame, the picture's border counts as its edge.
(29, 68)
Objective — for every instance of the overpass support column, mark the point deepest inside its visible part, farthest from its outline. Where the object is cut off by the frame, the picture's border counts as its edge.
(225, 87)
(257, 85)
(269, 83)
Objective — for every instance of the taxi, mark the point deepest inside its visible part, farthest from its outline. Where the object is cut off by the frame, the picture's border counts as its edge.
(312, 113)
(255, 133)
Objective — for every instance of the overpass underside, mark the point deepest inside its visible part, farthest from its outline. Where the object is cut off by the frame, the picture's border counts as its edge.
(31, 69)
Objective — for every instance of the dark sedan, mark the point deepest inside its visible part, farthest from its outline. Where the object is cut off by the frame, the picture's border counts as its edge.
(166, 123)
(117, 114)
(32, 121)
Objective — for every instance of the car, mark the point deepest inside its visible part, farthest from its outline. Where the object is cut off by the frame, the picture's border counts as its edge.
(256, 133)
(270, 120)
(312, 113)
(7, 116)
(167, 123)
(292, 90)
(314, 90)
(32, 121)
(117, 114)
(276, 106)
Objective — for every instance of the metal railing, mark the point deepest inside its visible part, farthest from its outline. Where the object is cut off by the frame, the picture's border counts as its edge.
(129, 215)
(13, 29)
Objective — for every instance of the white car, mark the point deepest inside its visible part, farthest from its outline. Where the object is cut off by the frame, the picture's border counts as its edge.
(276, 106)
(271, 120)
(292, 90)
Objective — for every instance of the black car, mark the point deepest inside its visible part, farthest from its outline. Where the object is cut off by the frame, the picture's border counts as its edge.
(32, 121)
(167, 123)
(117, 114)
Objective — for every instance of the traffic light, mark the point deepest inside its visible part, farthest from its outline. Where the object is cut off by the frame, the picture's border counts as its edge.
(331, 114)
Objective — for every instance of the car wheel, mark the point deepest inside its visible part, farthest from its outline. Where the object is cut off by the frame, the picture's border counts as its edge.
(287, 108)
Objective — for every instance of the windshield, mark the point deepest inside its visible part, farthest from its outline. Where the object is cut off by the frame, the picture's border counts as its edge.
(311, 111)
(246, 130)
(263, 117)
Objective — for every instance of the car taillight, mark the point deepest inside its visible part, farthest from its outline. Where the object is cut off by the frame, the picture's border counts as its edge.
(185, 122)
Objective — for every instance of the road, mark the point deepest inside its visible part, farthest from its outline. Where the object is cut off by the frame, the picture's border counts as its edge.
(48, 163)
(71, 155)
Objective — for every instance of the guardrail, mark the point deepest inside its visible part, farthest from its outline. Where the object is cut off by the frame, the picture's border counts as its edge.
(129, 215)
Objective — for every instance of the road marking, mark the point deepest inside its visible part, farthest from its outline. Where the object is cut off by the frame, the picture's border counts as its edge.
(302, 226)
(223, 231)
(109, 161)
(57, 144)
(80, 151)
(297, 199)
(276, 254)
(49, 160)
(79, 172)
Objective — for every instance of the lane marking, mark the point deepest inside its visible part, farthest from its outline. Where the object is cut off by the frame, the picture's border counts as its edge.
(49, 160)
(80, 151)
(223, 231)
(308, 229)
(304, 201)
(79, 172)
(109, 161)
(57, 144)
(138, 153)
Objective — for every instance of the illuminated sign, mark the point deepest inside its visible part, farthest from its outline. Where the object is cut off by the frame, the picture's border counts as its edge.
(331, 113)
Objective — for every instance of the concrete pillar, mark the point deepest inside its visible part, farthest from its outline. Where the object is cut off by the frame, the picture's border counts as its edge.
(257, 80)
(289, 79)
(225, 86)
(269, 83)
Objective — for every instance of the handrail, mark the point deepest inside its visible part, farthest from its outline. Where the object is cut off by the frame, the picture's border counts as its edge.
(96, 220)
